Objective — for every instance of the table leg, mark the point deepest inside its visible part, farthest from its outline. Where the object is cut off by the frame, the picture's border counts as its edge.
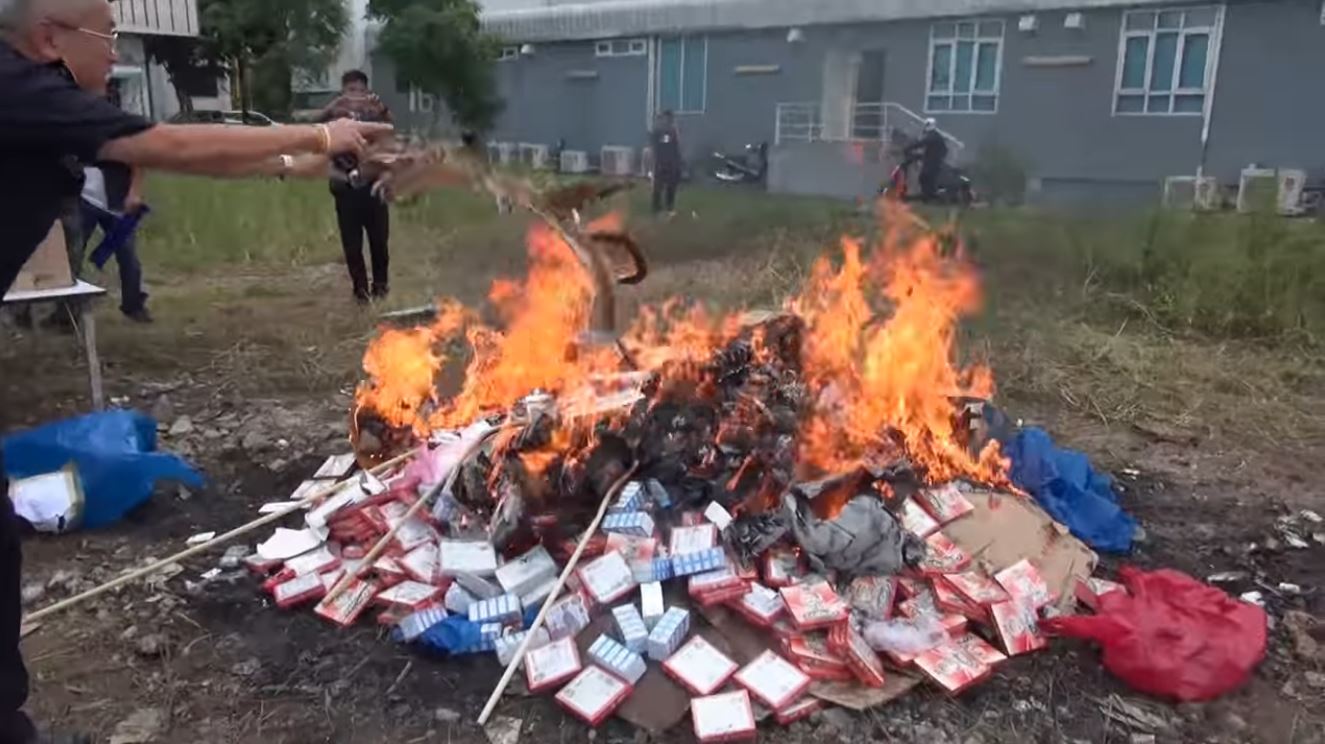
(93, 361)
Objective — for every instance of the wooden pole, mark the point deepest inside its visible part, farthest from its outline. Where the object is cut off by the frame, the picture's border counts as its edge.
(556, 590)
(381, 545)
(196, 549)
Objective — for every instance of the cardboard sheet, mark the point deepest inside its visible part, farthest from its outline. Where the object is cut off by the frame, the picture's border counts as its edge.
(1005, 528)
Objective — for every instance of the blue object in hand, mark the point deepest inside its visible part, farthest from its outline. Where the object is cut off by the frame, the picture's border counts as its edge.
(119, 235)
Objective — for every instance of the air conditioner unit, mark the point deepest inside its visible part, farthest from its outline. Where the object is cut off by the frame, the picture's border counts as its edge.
(1028, 24)
(574, 161)
(1076, 21)
(1291, 181)
(504, 153)
(533, 156)
(1191, 192)
(1258, 190)
(646, 162)
(618, 161)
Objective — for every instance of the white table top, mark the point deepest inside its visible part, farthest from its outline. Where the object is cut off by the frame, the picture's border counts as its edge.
(81, 289)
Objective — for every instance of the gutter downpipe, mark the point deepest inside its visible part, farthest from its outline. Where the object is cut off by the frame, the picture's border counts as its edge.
(1208, 114)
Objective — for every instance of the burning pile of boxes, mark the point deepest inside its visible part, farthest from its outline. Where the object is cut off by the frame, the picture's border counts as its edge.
(654, 580)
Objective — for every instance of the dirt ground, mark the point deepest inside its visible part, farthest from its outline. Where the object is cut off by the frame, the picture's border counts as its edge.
(219, 663)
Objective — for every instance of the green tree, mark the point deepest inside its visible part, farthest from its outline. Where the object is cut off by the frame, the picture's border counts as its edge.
(440, 47)
(185, 61)
(262, 42)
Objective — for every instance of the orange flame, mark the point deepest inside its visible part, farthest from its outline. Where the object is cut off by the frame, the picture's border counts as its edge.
(877, 354)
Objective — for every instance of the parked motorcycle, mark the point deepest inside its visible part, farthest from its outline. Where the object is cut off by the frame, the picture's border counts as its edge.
(953, 188)
(750, 167)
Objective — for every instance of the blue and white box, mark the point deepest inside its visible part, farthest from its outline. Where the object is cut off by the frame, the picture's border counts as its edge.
(458, 599)
(617, 659)
(634, 523)
(508, 644)
(699, 561)
(504, 609)
(414, 624)
(652, 570)
(667, 635)
(488, 634)
(631, 498)
(631, 626)
(658, 493)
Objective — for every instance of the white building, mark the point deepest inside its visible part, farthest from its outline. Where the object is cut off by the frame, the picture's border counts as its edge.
(145, 88)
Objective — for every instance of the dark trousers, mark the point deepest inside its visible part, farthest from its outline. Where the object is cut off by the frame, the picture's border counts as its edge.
(359, 212)
(664, 191)
(929, 181)
(15, 728)
(132, 296)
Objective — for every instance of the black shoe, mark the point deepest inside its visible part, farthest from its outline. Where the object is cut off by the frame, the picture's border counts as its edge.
(361, 296)
(380, 291)
(139, 315)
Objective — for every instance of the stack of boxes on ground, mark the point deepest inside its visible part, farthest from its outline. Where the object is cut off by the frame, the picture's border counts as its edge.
(656, 574)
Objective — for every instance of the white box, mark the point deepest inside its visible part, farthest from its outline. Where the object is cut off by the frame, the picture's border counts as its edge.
(551, 664)
(693, 539)
(699, 667)
(773, 680)
(567, 617)
(607, 578)
(468, 556)
(651, 603)
(593, 695)
(526, 573)
(478, 586)
(724, 717)
(719, 516)
(458, 600)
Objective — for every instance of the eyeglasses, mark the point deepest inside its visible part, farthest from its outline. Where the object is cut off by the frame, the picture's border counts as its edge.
(111, 38)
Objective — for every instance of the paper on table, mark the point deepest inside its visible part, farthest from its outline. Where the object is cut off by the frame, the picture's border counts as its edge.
(287, 543)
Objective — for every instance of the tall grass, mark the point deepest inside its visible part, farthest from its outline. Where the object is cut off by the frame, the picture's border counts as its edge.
(1225, 275)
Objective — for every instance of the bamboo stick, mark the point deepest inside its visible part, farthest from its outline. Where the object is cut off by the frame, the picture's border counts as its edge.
(381, 545)
(556, 590)
(196, 549)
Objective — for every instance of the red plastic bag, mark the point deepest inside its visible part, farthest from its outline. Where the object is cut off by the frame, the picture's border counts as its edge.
(1172, 636)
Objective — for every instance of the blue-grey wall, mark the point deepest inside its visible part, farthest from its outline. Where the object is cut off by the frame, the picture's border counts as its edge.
(1057, 120)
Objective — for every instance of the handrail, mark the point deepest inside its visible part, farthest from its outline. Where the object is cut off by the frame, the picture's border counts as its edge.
(803, 121)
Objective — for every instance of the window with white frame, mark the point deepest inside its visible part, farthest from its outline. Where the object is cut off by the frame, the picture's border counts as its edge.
(682, 81)
(1165, 61)
(620, 48)
(965, 65)
(508, 53)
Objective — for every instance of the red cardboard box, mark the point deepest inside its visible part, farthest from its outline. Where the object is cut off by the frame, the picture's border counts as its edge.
(725, 717)
(814, 606)
(593, 695)
(773, 680)
(699, 667)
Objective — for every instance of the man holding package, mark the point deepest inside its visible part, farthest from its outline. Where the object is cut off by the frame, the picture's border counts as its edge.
(55, 61)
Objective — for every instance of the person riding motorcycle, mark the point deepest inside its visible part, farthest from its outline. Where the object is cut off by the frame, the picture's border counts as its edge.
(931, 150)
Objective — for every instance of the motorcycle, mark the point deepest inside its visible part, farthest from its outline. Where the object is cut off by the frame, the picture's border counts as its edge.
(953, 187)
(751, 167)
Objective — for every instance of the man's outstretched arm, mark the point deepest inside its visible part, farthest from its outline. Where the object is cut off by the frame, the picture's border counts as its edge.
(223, 150)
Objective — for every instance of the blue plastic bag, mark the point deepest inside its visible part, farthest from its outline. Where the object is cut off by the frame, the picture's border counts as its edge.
(115, 453)
(1070, 490)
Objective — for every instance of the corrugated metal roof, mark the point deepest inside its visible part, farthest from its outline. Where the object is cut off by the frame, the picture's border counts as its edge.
(614, 18)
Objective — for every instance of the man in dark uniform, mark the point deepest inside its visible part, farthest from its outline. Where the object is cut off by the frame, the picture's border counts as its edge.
(358, 210)
(55, 60)
(932, 149)
(666, 144)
